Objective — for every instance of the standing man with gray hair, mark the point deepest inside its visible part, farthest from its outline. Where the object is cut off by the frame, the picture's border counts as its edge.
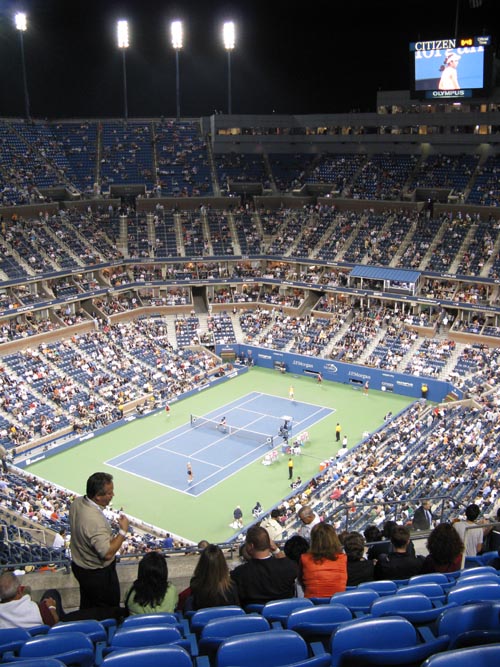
(94, 545)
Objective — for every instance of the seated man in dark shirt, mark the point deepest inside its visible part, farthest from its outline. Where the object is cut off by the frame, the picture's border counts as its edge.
(268, 574)
(383, 544)
(398, 564)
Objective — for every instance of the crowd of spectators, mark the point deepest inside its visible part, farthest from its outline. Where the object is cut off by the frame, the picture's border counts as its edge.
(137, 359)
(83, 383)
(385, 477)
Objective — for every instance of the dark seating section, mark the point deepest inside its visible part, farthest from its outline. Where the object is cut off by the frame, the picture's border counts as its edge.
(485, 190)
(384, 176)
(240, 168)
(182, 159)
(290, 171)
(445, 171)
(127, 154)
(337, 171)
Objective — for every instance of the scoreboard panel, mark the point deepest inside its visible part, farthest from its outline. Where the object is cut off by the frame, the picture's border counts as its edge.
(454, 68)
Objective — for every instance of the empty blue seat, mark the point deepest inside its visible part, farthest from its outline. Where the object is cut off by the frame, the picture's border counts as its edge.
(481, 578)
(383, 587)
(416, 608)
(143, 636)
(94, 630)
(433, 591)
(41, 662)
(280, 610)
(269, 649)
(488, 556)
(219, 629)
(11, 640)
(358, 600)
(381, 641)
(475, 593)
(474, 571)
(431, 577)
(317, 623)
(158, 656)
(73, 648)
(478, 656)
(199, 619)
(150, 619)
(156, 619)
(471, 624)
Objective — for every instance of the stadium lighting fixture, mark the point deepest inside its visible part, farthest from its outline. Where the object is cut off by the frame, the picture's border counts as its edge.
(176, 33)
(229, 37)
(123, 44)
(21, 23)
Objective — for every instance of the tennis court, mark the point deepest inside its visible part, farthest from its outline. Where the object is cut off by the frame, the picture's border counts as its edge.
(217, 451)
(208, 515)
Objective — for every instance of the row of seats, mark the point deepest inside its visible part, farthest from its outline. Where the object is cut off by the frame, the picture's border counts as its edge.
(285, 632)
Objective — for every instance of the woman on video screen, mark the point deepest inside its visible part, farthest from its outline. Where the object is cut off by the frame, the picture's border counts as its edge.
(449, 78)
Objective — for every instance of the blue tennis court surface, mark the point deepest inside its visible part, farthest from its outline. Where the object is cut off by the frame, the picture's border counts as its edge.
(214, 454)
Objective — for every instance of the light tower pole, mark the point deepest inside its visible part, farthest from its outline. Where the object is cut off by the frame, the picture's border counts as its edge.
(229, 37)
(21, 23)
(176, 33)
(123, 44)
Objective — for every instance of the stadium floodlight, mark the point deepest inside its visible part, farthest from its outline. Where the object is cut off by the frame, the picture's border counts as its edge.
(122, 34)
(21, 23)
(123, 44)
(229, 37)
(176, 33)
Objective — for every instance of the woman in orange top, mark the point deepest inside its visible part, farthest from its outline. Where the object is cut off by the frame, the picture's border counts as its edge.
(323, 569)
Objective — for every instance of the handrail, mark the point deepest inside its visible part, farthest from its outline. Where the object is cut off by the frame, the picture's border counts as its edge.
(395, 510)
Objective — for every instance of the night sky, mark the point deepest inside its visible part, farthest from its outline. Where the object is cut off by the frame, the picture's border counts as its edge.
(290, 57)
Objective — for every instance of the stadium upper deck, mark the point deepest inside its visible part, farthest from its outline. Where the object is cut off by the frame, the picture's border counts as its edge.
(391, 155)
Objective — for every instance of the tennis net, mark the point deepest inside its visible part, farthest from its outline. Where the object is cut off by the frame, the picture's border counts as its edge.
(245, 434)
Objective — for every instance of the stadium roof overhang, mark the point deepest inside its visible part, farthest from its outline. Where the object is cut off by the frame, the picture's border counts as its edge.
(394, 280)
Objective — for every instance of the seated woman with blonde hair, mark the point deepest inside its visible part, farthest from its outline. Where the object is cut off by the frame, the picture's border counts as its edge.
(323, 569)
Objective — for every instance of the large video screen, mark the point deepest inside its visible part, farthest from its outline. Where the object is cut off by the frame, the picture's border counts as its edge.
(451, 68)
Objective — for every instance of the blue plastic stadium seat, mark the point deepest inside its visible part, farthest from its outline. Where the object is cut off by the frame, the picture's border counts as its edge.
(269, 649)
(478, 656)
(471, 624)
(383, 587)
(279, 610)
(143, 636)
(358, 600)
(381, 641)
(72, 648)
(316, 624)
(159, 656)
(202, 616)
(475, 593)
(219, 629)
